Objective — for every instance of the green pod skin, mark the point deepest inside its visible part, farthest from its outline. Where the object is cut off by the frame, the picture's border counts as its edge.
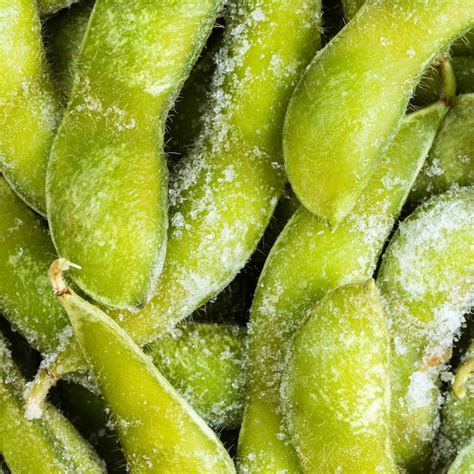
(50, 445)
(63, 37)
(29, 108)
(308, 260)
(457, 416)
(26, 252)
(336, 387)
(158, 430)
(112, 133)
(451, 160)
(49, 7)
(427, 283)
(204, 363)
(333, 141)
(464, 461)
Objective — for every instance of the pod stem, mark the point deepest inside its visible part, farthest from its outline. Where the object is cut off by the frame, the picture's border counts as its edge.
(448, 94)
(463, 374)
(37, 391)
(55, 273)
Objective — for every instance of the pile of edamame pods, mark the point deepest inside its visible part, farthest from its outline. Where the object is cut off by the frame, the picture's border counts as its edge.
(236, 236)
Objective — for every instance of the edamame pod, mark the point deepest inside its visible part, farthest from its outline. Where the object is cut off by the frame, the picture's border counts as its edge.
(106, 182)
(48, 7)
(236, 165)
(344, 114)
(158, 430)
(204, 362)
(29, 108)
(336, 389)
(309, 259)
(457, 416)
(427, 283)
(50, 445)
(26, 252)
(63, 37)
(464, 461)
(451, 160)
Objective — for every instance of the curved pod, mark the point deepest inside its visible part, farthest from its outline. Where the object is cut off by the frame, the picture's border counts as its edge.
(349, 103)
(106, 182)
(309, 259)
(336, 389)
(29, 108)
(427, 283)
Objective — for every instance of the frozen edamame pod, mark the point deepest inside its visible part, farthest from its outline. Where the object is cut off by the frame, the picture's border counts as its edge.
(427, 283)
(158, 430)
(451, 160)
(308, 260)
(63, 37)
(336, 388)
(26, 252)
(235, 167)
(203, 362)
(106, 183)
(349, 103)
(464, 460)
(457, 415)
(50, 445)
(29, 108)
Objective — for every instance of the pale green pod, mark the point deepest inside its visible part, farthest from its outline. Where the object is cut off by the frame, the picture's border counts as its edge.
(309, 259)
(336, 387)
(457, 415)
(49, 7)
(29, 107)
(26, 252)
(427, 283)
(464, 462)
(451, 160)
(63, 37)
(204, 363)
(106, 183)
(158, 430)
(226, 191)
(50, 445)
(349, 103)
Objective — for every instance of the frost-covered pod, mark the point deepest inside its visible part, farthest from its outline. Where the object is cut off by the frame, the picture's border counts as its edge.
(349, 103)
(309, 259)
(451, 160)
(204, 363)
(26, 252)
(457, 415)
(106, 184)
(158, 430)
(464, 462)
(50, 445)
(63, 37)
(29, 108)
(49, 7)
(427, 284)
(336, 387)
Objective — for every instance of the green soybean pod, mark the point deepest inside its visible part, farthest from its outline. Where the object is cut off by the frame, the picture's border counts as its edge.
(158, 430)
(29, 108)
(63, 37)
(457, 420)
(106, 181)
(309, 259)
(427, 283)
(451, 160)
(344, 113)
(464, 460)
(49, 445)
(204, 363)
(49, 7)
(235, 166)
(336, 388)
(26, 252)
